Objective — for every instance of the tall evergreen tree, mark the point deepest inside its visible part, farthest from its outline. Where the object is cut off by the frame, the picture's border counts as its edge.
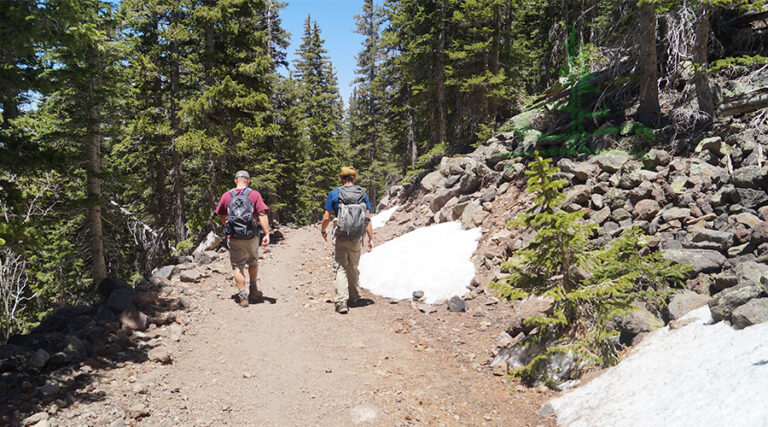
(86, 58)
(365, 112)
(322, 111)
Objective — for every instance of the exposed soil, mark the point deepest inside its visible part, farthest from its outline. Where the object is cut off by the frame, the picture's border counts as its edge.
(293, 361)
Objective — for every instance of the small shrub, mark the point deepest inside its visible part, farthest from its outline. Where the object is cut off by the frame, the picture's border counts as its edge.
(588, 286)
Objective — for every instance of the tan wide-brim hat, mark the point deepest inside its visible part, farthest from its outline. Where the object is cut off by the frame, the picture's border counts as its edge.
(348, 171)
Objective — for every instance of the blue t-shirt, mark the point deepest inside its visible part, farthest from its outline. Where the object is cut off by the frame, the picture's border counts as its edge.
(332, 203)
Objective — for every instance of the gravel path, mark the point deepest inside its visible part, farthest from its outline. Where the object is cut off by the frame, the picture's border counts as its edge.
(294, 361)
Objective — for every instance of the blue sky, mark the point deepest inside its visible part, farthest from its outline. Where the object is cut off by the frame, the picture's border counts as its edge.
(336, 19)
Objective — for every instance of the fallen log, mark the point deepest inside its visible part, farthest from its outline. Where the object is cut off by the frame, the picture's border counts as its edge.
(745, 103)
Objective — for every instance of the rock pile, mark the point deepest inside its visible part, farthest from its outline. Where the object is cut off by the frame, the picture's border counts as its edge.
(42, 371)
(709, 210)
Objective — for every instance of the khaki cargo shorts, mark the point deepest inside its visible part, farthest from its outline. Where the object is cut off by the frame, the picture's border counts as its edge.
(243, 252)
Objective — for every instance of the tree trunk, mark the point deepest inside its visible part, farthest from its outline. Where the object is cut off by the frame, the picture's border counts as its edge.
(93, 182)
(441, 119)
(179, 223)
(212, 159)
(649, 112)
(410, 137)
(700, 78)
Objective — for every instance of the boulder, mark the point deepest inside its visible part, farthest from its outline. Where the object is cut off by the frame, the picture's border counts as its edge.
(432, 181)
(470, 181)
(473, 215)
(615, 198)
(495, 153)
(684, 302)
(746, 219)
(524, 309)
(751, 198)
(210, 243)
(630, 175)
(579, 194)
(722, 240)
(713, 144)
(752, 313)
(750, 177)
(206, 257)
(584, 170)
(441, 197)
(611, 162)
(725, 302)
(672, 214)
(134, 319)
(656, 158)
(121, 299)
(705, 174)
(636, 320)
(457, 305)
(750, 271)
(763, 213)
(702, 260)
(601, 216)
(646, 209)
(759, 233)
(620, 215)
(160, 355)
(166, 271)
(190, 276)
(453, 165)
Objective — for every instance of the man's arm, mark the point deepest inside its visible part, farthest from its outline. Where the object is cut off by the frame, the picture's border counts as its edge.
(326, 221)
(369, 230)
(264, 221)
(223, 219)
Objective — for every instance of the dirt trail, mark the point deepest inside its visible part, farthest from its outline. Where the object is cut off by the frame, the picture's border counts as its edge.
(297, 362)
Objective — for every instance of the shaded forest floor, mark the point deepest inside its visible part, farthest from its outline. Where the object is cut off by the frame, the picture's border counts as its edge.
(295, 361)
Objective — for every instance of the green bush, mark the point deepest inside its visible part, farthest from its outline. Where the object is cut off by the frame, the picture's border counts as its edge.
(588, 286)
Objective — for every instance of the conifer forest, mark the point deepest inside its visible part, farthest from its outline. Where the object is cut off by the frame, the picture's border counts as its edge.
(122, 122)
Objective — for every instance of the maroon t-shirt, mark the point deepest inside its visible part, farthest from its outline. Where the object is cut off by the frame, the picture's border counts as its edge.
(253, 196)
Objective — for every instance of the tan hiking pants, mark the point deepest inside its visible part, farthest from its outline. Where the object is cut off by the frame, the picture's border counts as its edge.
(346, 279)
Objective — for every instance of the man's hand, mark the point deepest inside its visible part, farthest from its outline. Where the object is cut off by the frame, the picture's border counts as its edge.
(265, 240)
(370, 245)
(324, 234)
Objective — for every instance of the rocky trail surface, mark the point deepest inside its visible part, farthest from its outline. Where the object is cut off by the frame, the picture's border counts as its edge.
(293, 361)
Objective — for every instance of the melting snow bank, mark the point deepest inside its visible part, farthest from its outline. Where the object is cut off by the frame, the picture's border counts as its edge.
(382, 217)
(698, 375)
(433, 259)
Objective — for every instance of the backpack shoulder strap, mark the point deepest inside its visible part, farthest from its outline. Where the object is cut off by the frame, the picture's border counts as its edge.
(233, 192)
(246, 191)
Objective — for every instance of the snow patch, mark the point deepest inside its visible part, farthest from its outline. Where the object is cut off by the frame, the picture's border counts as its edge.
(382, 217)
(433, 259)
(702, 374)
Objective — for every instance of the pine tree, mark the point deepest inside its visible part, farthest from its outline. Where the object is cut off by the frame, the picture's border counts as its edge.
(588, 286)
(322, 112)
(86, 58)
(365, 113)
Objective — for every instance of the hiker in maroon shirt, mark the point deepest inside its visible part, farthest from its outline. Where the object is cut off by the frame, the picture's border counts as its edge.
(244, 252)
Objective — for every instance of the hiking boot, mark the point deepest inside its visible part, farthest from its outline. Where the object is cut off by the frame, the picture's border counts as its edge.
(255, 296)
(242, 300)
(342, 308)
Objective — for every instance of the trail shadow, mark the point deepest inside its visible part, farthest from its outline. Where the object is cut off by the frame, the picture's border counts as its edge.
(264, 299)
(361, 302)
(761, 363)
(63, 360)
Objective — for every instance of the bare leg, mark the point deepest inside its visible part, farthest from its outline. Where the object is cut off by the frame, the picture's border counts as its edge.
(239, 279)
(253, 272)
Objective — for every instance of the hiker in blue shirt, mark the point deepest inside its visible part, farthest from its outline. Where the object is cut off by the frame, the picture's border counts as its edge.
(352, 209)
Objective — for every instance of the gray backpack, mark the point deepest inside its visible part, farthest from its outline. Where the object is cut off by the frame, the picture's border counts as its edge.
(352, 220)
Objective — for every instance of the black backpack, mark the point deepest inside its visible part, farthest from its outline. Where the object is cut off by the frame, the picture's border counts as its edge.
(352, 221)
(240, 222)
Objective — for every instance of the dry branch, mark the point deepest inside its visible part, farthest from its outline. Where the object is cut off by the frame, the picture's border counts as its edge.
(746, 102)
